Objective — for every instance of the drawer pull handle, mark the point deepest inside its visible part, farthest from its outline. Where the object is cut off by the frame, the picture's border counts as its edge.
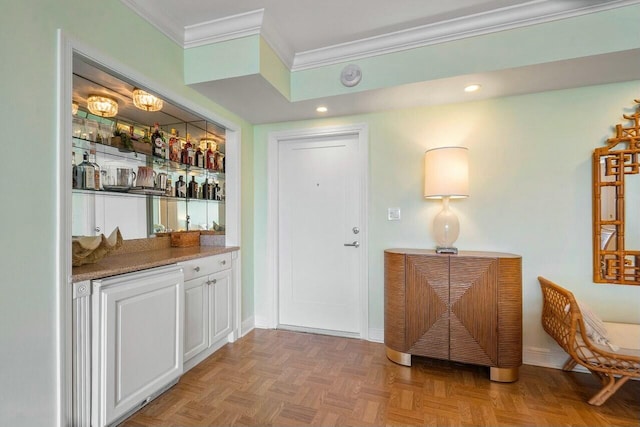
(196, 268)
(223, 262)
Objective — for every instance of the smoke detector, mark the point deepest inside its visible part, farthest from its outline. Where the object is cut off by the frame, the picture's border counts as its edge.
(351, 75)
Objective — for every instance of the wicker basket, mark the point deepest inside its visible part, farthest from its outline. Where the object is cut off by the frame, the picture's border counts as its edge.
(185, 239)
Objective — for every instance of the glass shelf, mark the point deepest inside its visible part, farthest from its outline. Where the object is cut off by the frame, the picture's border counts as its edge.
(114, 154)
(155, 196)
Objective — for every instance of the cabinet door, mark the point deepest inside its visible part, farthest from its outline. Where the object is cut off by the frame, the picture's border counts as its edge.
(137, 330)
(474, 310)
(427, 302)
(196, 316)
(220, 312)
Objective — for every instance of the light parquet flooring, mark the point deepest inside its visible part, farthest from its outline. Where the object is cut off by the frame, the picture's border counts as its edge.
(283, 378)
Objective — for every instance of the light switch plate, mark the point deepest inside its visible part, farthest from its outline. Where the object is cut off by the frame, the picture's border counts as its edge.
(393, 214)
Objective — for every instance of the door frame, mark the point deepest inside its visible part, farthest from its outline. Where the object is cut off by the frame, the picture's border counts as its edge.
(361, 131)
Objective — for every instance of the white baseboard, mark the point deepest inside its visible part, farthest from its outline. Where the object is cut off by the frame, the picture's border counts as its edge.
(247, 326)
(547, 358)
(262, 322)
(376, 335)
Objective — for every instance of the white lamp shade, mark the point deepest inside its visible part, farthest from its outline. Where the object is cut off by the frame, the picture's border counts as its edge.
(446, 173)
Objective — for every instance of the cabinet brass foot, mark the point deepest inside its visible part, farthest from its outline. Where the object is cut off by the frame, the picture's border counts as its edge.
(503, 375)
(398, 357)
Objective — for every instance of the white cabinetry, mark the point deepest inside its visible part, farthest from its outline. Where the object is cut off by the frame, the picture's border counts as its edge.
(137, 340)
(208, 306)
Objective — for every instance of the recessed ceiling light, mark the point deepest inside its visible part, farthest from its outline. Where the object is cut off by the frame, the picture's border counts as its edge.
(472, 88)
(322, 109)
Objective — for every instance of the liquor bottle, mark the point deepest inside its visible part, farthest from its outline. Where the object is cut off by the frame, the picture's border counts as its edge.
(191, 153)
(74, 171)
(174, 146)
(97, 182)
(86, 173)
(207, 190)
(199, 157)
(192, 191)
(181, 187)
(184, 152)
(158, 142)
(219, 161)
(216, 192)
(210, 158)
(169, 189)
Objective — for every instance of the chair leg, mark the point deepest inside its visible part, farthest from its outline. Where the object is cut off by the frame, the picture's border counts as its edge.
(569, 364)
(608, 390)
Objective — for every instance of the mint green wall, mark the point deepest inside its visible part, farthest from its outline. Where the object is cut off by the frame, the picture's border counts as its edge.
(592, 34)
(231, 58)
(530, 184)
(28, 389)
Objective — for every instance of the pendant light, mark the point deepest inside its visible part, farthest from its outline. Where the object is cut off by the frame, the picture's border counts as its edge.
(145, 101)
(102, 105)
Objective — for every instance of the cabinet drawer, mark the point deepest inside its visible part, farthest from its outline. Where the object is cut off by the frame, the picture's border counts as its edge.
(205, 266)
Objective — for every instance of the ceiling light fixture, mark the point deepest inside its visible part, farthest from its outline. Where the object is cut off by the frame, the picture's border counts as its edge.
(322, 109)
(101, 105)
(472, 88)
(74, 108)
(145, 101)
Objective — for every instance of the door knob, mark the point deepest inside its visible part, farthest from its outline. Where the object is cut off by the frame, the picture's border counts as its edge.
(356, 244)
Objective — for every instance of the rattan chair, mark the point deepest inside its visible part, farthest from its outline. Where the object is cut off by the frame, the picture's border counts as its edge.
(562, 319)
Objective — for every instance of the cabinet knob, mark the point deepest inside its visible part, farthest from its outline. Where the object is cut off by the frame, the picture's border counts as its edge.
(213, 282)
(97, 229)
(196, 269)
(223, 262)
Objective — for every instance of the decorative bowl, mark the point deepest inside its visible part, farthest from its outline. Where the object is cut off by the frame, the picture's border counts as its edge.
(91, 249)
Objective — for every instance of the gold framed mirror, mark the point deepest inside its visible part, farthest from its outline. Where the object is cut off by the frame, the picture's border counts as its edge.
(616, 205)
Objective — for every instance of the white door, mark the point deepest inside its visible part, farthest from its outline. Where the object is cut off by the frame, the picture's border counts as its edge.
(319, 207)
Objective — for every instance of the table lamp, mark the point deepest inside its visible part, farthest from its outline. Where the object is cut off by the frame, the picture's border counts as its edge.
(446, 176)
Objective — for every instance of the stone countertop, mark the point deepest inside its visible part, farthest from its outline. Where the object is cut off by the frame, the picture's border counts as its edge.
(135, 261)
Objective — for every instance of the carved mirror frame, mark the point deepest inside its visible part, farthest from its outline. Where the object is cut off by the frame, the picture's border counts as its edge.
(613, 261)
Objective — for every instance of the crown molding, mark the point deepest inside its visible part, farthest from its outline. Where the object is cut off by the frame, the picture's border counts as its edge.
(533, 12)
(223, 29)
(157, 19)
(280, 46)
(257, 22)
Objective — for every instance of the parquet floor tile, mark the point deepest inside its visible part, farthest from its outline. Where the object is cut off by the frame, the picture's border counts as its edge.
(284, 378)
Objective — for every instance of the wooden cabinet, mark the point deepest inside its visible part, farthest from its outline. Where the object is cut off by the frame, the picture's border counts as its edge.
(464, 308)
(208, 306)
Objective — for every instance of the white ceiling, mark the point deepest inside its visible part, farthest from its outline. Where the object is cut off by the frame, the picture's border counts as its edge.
(311, 33)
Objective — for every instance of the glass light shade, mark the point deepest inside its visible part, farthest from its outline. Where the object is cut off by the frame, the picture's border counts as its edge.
(101, 105)
(204, 142)
(145, 101)
(74, 108)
